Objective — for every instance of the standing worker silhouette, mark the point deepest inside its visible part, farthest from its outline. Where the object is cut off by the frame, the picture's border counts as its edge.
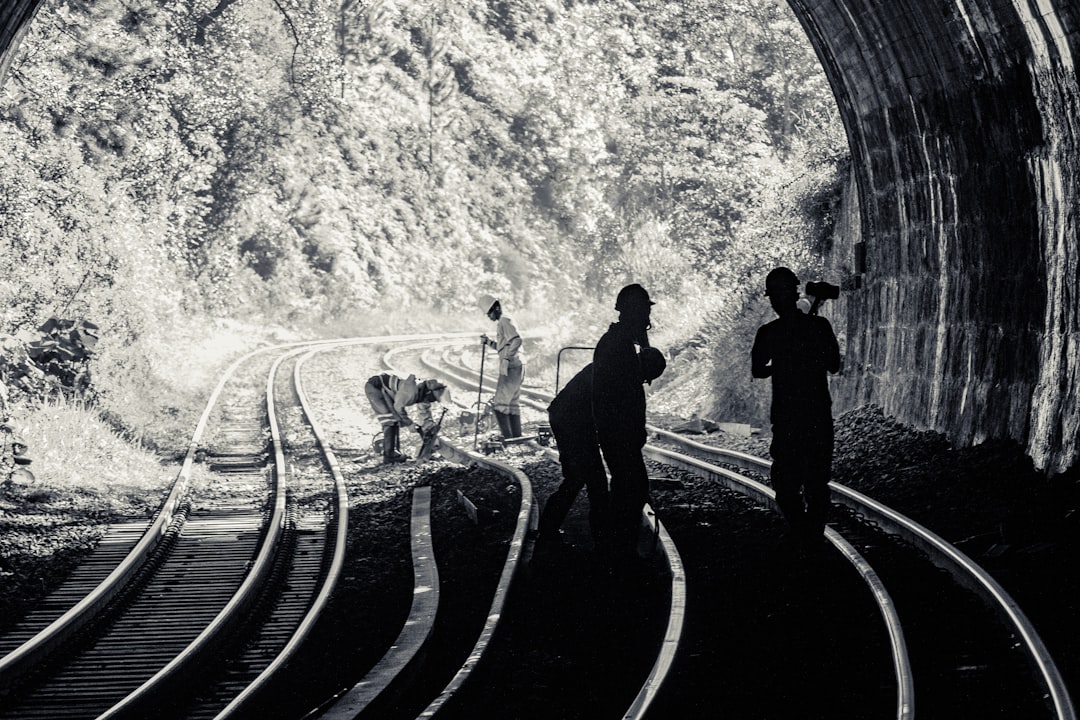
(570, 414)
(618, 405)
(797, 350)
(507, 344)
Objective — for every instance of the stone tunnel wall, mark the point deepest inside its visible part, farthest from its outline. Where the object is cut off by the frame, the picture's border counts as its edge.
(962, 119)
(15, 17)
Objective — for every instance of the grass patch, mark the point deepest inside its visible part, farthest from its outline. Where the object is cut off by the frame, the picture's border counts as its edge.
(76, 455)
(85, 476)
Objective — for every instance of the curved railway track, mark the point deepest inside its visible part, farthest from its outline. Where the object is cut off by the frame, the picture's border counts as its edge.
(135, 644)
(673, 636)
(918, 624)
(202, 561)
(447, 631)
(459, 696)
(988, 655)
(973, 646)
(665, 550)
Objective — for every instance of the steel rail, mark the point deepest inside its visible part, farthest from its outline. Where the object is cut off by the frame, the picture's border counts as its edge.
(337, 558)
(247, 594)
(31, 653)
(956, 562)
(526, 521)
(413, 635)
(940, 552)
(669, 555)
(969, 573)
(905, 699)
(673, 632)
(901, 663)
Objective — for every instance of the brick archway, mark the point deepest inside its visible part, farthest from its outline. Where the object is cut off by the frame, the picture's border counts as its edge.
(963, 126)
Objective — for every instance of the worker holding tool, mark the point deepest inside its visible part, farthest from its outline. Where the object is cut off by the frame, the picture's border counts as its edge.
(389, 396)
(797, 351)
(507, 343)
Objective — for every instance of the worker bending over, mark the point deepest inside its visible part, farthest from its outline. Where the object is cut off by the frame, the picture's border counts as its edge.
(389, 395)
(570, 414)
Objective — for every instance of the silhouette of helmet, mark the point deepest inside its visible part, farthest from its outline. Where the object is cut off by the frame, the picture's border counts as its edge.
(632, 296)
(781, 279)
(486, 302)
(652, 363)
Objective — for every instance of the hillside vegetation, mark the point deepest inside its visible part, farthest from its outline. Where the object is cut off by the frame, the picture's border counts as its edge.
(187, 173)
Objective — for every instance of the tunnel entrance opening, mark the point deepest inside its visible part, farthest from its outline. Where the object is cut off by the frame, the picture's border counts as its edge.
(962, 128)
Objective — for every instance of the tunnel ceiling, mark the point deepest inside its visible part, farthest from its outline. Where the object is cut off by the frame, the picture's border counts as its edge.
(962, 121)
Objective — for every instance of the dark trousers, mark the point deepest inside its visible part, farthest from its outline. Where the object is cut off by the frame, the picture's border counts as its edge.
(629, 491)
(582, 466)
(801, 470)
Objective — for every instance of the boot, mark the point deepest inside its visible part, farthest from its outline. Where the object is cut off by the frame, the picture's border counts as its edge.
(504, 423)
(515, 425)
(390, 445)
(387, 442)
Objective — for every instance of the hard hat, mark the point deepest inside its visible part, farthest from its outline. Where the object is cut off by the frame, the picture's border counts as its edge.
(438, 390)
(632, 296)
(780, 279)
(485, 303)
(652, 363)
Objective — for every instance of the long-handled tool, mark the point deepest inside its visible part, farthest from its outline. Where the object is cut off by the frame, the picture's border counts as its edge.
(480, 392)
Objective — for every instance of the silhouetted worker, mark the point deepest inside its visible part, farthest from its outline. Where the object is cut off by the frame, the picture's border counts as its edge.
(797, 350)
(389, 395)
(507, 343)
(570, 415)
(618, 404)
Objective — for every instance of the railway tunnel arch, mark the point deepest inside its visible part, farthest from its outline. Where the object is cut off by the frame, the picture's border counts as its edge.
(961, 258)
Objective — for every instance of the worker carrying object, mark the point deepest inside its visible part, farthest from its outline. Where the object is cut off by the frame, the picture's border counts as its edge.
(389, 396)
(507, 343)
(571, 417)
(798, 351)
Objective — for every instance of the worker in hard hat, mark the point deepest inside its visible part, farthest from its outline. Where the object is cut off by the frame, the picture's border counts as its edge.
(618, 406)
(389, 396)
(570, 414)
(507, 343)
(797, 350)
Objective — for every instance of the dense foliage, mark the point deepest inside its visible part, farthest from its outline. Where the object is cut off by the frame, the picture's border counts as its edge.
(310, 161)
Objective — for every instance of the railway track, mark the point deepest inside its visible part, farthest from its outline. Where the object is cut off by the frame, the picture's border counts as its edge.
(916, 625)
(666, 653)
(235, 566)
(459, 695)
(958, 642)
(179, 591)
(653, 630)
(965, 660)
(448, 630)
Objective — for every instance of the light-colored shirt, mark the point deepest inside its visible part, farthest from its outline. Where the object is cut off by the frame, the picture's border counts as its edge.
(507, 341)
